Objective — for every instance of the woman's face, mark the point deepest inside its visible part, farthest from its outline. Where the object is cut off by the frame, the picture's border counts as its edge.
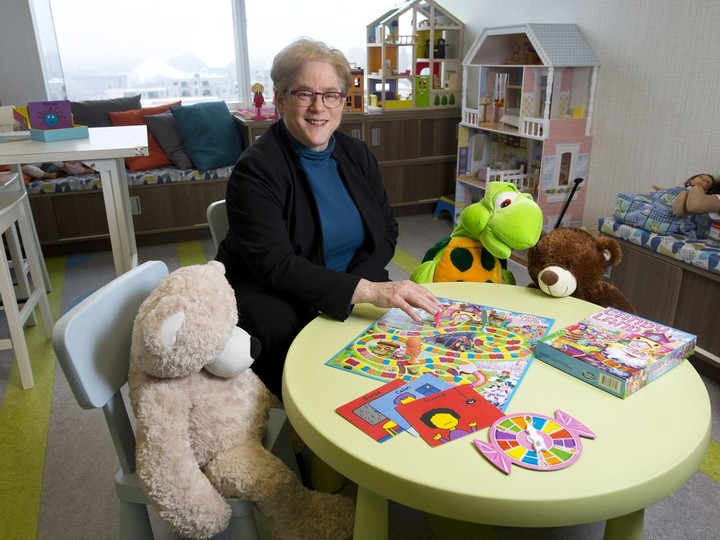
(312, 125)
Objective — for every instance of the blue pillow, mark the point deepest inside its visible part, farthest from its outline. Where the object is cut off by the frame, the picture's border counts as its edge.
(209, 133)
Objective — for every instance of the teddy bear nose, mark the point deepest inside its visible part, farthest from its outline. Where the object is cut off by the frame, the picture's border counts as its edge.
(549, 278)
(255, 347)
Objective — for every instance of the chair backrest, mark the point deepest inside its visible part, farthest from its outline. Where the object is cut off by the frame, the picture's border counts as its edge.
(92, 345)
(217, 221)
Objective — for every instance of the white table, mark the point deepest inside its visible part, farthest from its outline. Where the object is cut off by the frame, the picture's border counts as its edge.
(104, 151)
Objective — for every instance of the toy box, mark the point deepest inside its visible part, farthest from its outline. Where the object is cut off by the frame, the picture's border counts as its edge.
(616, 351)
(49, 121)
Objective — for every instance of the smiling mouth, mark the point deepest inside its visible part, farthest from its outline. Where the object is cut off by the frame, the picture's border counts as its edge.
(316, 122)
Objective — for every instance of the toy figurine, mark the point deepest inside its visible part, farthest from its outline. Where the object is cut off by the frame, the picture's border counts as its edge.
(258, 100)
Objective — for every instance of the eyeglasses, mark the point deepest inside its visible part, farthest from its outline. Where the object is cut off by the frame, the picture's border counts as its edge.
(305, 98)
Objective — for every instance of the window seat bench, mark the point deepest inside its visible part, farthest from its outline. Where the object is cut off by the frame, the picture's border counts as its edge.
(168, 205)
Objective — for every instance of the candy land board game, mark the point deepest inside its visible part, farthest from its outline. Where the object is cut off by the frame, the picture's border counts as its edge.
(616, 351)
(487, 348)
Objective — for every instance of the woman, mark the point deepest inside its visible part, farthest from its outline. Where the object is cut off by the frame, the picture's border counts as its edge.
(311, 227)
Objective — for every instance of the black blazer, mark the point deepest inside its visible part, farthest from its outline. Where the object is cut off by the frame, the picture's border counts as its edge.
(275, 235)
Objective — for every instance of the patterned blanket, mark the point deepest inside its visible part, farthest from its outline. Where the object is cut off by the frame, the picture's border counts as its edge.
(166, 175)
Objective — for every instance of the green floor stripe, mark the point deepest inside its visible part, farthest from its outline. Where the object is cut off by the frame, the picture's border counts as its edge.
(405, 261)
(451, 529)
(24, 424)
(191, 253)
(711, 464)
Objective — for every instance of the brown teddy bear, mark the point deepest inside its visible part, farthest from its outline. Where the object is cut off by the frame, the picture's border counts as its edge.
(571, 262)
(201, 416)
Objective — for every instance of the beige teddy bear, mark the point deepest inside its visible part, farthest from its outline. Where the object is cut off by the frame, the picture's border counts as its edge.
(201, 415)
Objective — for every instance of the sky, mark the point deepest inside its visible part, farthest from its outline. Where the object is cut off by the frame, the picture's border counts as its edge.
(92, 34)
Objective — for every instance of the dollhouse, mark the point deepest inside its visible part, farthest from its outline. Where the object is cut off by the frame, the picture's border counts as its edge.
(355, 100)
(527, 107)
(414, 58)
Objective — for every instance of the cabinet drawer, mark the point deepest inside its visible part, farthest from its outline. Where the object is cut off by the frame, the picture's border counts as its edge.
(393, 139)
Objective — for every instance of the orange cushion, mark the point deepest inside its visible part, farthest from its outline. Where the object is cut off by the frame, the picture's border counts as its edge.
(156, 157)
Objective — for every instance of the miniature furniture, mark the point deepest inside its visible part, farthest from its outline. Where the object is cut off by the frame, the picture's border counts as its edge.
(413, 58)
(527, 106)
(456, 481)
(92, 345)
(217, 221)
(104, 151)
(13, 212)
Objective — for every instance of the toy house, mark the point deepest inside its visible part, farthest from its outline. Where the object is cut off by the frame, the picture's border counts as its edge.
(527, 108)
(414, 58)
(355, 100)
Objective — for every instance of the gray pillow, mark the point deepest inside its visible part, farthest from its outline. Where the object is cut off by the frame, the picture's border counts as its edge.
(165, 131)
(94, 113)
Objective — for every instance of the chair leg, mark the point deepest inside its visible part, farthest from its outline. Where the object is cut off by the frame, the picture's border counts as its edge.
(33, 259)
(134, 522)
(242, 523)
(15, 324)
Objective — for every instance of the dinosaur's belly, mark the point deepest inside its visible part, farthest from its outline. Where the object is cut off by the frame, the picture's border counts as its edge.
(465, 259)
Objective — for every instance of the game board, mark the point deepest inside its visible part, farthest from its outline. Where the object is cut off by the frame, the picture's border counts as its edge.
(485, 347)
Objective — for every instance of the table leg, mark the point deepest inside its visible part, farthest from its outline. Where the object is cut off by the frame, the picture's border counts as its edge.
(117, 207)
(627, 527)
(371, 516)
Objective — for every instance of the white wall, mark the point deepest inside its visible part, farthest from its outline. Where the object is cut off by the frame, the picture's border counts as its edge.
(657, 109)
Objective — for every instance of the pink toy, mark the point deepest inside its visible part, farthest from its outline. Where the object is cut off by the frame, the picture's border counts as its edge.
(534, 441)
(258, 100)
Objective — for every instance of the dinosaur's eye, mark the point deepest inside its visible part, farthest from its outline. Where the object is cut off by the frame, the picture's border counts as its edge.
(505, 199)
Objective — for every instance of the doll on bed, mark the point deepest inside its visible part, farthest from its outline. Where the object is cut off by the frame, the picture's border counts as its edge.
(701, 196)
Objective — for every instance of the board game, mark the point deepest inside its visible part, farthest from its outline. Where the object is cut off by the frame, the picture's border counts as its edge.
(616, 351)
(485, 347)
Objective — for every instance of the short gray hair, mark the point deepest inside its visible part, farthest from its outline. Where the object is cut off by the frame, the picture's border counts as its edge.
(290, 61)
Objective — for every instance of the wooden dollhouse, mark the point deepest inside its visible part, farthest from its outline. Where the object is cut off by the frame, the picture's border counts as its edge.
(414, 58)
(527, 107)
(355, 100)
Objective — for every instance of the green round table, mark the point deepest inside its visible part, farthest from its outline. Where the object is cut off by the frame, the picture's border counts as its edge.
(647, 445)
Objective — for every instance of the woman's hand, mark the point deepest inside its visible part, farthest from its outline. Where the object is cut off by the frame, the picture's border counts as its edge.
(405, 295)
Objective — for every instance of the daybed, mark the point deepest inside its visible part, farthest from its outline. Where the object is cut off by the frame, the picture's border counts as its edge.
(191, 152)
(671, 280)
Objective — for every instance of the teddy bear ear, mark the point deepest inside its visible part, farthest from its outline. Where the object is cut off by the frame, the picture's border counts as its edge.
(170, 327)
(162, 322)
(610, 249)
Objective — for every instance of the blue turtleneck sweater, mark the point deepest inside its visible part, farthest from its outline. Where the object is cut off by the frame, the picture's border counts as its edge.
(343, 231)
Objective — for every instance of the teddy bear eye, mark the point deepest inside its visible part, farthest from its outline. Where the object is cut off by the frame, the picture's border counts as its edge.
(505, 199)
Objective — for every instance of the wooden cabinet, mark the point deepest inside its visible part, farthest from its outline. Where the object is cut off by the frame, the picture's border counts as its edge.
(76, 221)
(416, 151)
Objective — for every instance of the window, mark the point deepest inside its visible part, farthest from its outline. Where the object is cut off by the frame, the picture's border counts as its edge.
(166, 49)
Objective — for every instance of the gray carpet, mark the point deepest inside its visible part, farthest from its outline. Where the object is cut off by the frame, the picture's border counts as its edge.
(78, 500)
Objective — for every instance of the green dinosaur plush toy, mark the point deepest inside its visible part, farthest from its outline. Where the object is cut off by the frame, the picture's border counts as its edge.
(487, 232)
